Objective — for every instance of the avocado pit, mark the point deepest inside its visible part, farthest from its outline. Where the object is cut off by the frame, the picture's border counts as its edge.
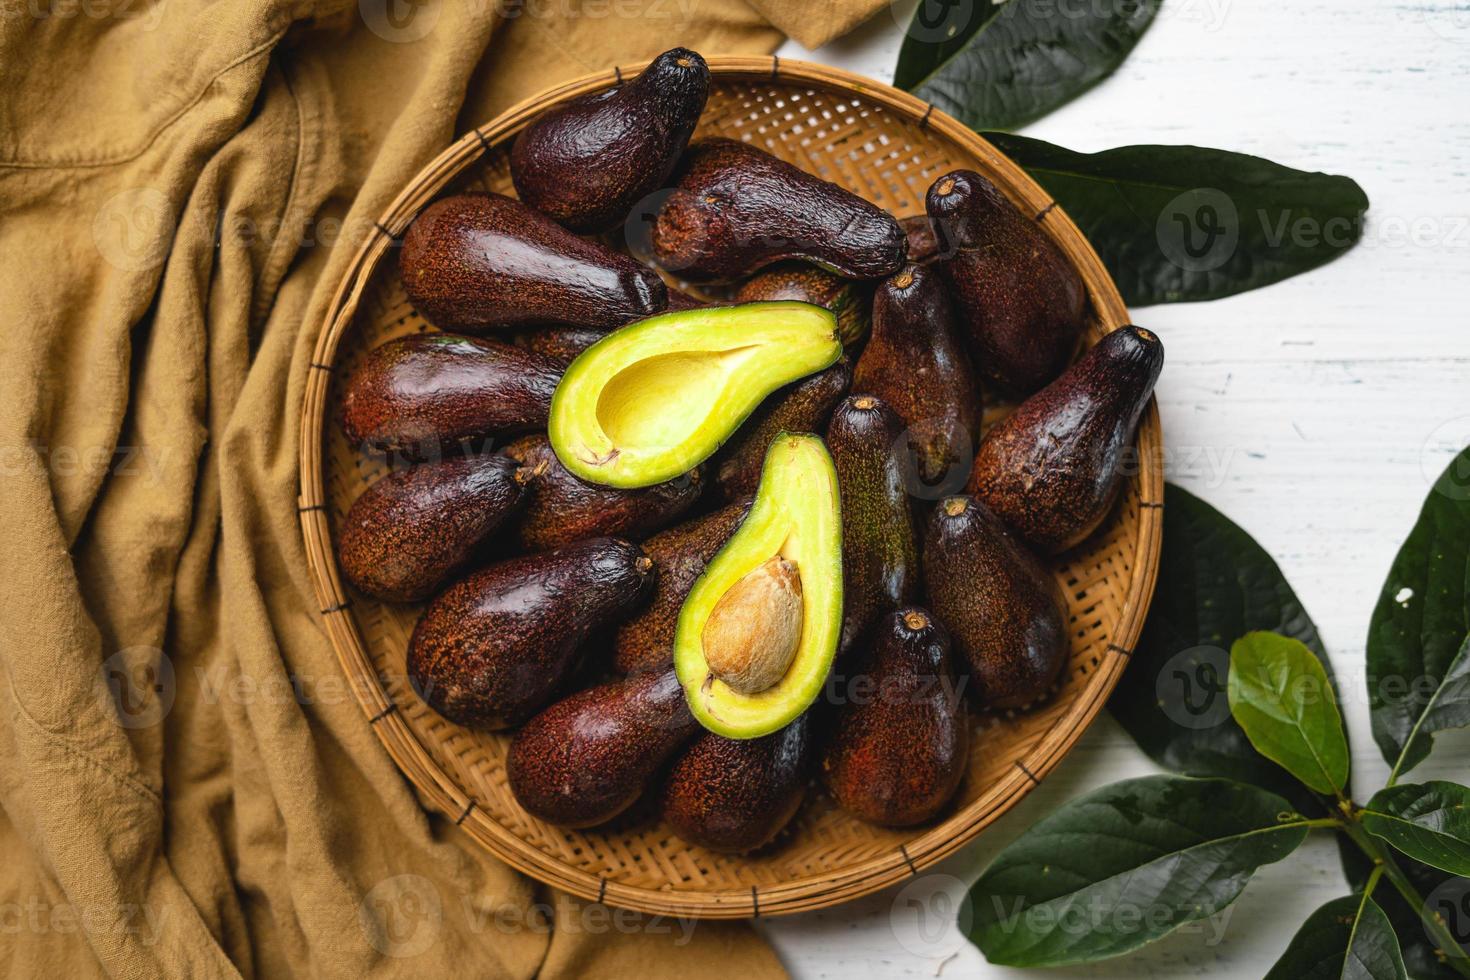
(752, 633)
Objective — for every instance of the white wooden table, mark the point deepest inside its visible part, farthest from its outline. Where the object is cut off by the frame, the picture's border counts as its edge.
(1310, 410)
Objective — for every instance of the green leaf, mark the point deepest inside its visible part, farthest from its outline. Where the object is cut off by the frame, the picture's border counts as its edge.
(1281, 696)
(1418, 654)
(1349, 938)
(1421, 957)
(1216, 584)
(1183, 223)
(1430, 823)
(939, 30)
(1005, 64)
(1124, 865)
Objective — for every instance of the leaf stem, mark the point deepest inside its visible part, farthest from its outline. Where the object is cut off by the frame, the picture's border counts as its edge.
(1385, 865)
(1321, 823)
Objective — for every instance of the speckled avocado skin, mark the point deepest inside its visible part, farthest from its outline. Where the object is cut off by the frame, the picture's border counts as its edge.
(560, 508)
(474, 262)
(880, 551)
(564, 344)
(407, 532)
(736, 209)
(423, 393)
(901, 739)
(560, 344)
(586, 759)
(1020, 301)
(587, 162)
(1004, 611)
(493, 648)
(803, 406)
(914, 362)
(736, 795)
(1052, 469)
(849, 301)
(646, 641)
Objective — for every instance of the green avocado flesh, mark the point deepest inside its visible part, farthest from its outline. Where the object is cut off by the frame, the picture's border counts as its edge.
(653, 400)
(796, 516)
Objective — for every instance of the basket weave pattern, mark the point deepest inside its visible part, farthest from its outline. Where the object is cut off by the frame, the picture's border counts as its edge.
(888, 147)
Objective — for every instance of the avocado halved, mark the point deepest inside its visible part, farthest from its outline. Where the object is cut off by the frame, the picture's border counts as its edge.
(653, 400)
(796, 517)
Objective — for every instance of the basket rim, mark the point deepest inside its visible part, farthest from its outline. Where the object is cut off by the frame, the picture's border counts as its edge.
(808, 892)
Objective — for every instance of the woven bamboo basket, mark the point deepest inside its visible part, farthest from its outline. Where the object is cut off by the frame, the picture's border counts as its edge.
(888, 147)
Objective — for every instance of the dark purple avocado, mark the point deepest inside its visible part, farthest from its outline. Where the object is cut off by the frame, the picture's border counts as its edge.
(1020, 301)
(586, 164)
(1052, 469)
(561, 508)
(495, 647)
(1004, 611)
(421, 394)
(476, 262)
(735, 209)
(736, 795)
(898, 750)
(410, 530)
(587, 758)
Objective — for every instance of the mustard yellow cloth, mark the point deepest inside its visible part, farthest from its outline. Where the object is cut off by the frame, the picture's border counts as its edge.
(187, 787)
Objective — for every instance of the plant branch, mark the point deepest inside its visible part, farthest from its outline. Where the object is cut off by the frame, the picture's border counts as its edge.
(1384, 863)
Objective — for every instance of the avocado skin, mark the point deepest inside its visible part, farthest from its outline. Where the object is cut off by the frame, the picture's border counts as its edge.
(1052, 469)
(848, 300)
(646, 641)
(494, 647)
(476, 262)
(735, 795)
(421, 394)
(586, 163)
(901, 737)
(880, 551)
(915, 363)
(564, 344)
(408, 531)
(1004, 611)
(587, 758)
(559, 344)
(1020, 301)
(803, 406)
(736, 208)
(923, 243)
(560, 508)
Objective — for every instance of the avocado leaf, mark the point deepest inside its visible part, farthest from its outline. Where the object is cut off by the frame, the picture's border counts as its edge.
(1430, 823)
(1125, 865)
(1349, 938)
(1419, 635)
(1281, 697)
(1184, 223)
(1216, 584)
(1003, 65)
